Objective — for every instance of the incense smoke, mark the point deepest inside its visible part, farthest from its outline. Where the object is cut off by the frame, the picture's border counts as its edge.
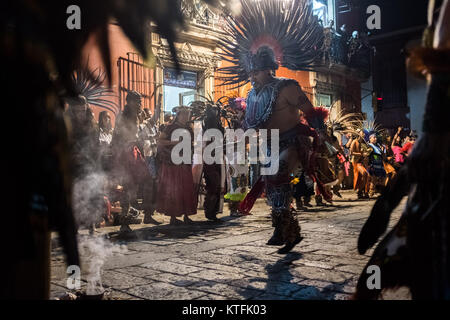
(95, 251)
(88, 207)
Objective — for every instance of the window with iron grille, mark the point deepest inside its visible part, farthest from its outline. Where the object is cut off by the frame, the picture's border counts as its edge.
(137, 76)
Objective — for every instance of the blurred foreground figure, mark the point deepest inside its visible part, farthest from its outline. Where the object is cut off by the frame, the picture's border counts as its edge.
(36, 46)
(86, 166)
(416, 253)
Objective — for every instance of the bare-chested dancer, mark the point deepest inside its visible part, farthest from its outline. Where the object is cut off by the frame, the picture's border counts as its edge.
(256, 51)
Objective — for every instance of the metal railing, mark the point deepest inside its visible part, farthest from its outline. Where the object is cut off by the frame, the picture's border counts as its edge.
(135, 75)
(341, 49)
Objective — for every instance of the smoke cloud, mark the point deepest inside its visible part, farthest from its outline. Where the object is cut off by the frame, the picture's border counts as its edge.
(94, 252)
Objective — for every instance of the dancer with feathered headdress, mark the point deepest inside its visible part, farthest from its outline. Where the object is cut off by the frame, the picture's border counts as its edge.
(375, 156)
(264, 36)
(340, 124)
(376, 160)
(321, 161)
(359, 159)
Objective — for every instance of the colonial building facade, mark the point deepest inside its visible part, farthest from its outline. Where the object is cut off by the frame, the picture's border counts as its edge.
(336, 86)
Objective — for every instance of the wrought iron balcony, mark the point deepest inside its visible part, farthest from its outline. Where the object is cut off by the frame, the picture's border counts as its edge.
(350, 51)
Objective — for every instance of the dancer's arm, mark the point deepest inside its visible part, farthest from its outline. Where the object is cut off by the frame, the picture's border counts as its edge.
(296, 97)
(395, 136)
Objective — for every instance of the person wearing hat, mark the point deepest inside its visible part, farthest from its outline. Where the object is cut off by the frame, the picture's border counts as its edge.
(176, 195)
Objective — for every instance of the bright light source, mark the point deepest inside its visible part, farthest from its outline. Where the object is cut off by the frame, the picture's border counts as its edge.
(317, 5)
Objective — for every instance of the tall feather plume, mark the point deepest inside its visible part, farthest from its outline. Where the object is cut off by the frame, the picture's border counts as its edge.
(91, 86)
(368, 127)
(317, 117)
(343, 123)
(289, 28)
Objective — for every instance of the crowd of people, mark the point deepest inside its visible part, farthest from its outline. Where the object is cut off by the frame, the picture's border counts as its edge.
(125, 172)
(138, 176)
(116, 174)
(317, 156)
(376, 159)
(122, 161)
(364, 160)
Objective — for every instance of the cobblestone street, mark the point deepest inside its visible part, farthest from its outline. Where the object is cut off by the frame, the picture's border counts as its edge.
(231, 260)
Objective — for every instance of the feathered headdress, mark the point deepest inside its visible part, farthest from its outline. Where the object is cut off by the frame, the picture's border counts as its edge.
(317, 117)
(369, 128)
(90, 85)
(344, 123)
(270, 33)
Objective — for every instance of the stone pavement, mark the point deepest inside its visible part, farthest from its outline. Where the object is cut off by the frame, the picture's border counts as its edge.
(230, 260)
